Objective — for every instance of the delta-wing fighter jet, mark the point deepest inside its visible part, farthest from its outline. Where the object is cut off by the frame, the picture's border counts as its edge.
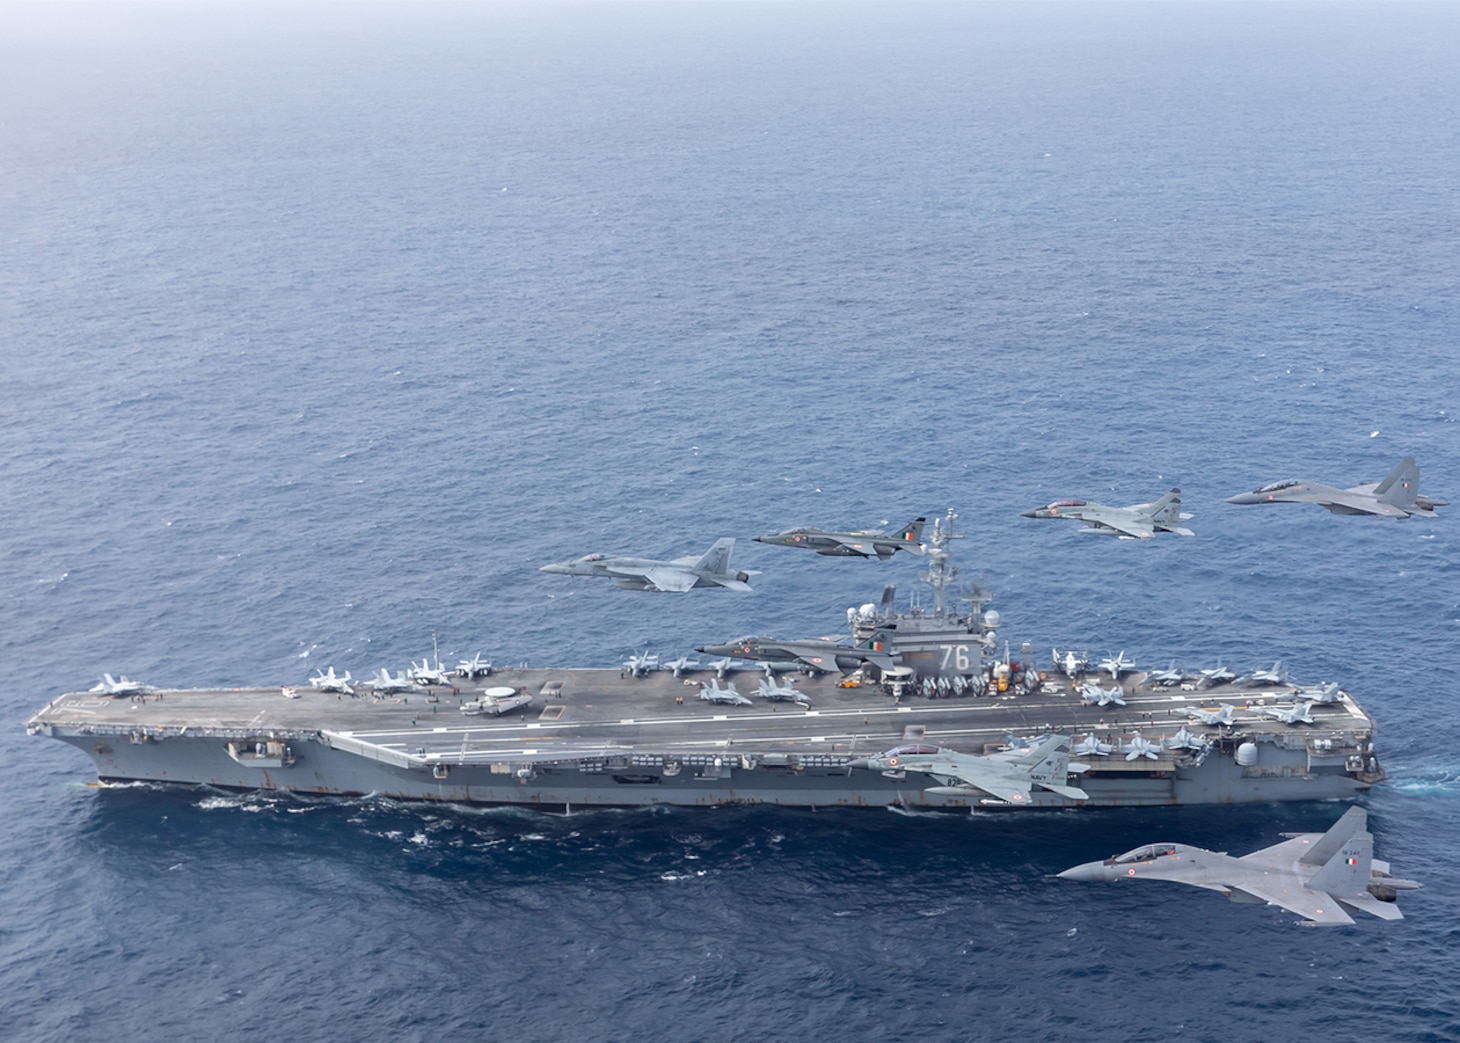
(1396, 496)
(123, 685)
(873, 543)
(1319, 876)
(1008, 777)
(815, 654)
(332, 682)
(1139, 521)
(711, 569)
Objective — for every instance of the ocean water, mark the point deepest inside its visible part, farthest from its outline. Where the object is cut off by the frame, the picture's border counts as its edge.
(322, 326)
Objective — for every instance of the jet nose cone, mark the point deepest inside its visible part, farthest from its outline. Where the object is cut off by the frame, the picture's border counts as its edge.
(1089, 872)
(557, 567)
(860, 762)
(761, 539)
(1243, 498)
(1033, 512)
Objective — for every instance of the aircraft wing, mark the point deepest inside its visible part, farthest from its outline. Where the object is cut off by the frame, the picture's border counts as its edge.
(1135, 528)
(1283, 890)
(729, 582)
(996, 781)
(660, 577)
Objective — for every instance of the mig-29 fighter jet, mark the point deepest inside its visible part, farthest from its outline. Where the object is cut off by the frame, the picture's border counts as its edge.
(712, 569)
(1395, 497)
(1140, 521)
(817, 655)
(1007, 777)
(870, 544)
(1319, 876)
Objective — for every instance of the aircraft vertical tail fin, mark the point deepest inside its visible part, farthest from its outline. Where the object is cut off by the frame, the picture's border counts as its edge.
(717, 558)
(1347, 872)
(1399, 488)
(912, 532)
(1049, 761)
(1167, 508)
(1355, 820)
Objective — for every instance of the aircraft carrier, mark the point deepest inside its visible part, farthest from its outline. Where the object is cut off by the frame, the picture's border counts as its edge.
(949, 695)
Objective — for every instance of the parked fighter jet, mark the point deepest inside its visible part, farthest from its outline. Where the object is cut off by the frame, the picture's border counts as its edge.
(712, 569)
(1395, 497)
(424, 673)
(1091, 746)
(642, 664)
(713, 693)
(331, 682)
(383, 682)
(1140, 746)
(1295, 714)
(1222, 715)
(1185, 740)
(681, 666)
(1117, 664)
(1008, 776)
(1318, 694)
(1072, 664)
(123, 685)
(1319, 876)
(818, 655)
(1214, 675)
(1140, 521)
(1277, 675)
(474, 667)
(1171, 676)
(873, 543)
(782, 693)
(726, 665)
(1093, 695)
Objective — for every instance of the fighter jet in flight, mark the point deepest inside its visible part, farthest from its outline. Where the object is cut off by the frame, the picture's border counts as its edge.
(817, 655)
(1395, 497)
(1140, 521)
(1319, 876)
(1008, 777)
(873, 543)
(712, 569)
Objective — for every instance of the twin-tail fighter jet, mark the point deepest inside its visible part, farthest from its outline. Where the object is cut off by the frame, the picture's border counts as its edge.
(873, 543)
(332, 682)
(1319, 876)
(1008, 777)
(1396, 496)
(123, 685)
(712, 569)
(1140, 521)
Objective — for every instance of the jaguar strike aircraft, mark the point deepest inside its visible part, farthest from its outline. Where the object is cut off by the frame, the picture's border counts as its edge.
(1319, 876)
(712, 569)
(1008, 777)
(869, 544)
(1140, 521)
(1396, 496)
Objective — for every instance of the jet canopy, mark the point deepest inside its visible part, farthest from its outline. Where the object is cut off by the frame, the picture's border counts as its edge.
(916, 750)
(1277, 487)
(1071, 503)
(1144, 854)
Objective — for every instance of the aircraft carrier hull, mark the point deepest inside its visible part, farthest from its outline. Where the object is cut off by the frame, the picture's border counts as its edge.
(604, 738)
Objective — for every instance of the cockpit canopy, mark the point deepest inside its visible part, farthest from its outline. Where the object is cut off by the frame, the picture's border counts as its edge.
(1275, 487)
(1147, 853)
(1070, 503)
(916, 750)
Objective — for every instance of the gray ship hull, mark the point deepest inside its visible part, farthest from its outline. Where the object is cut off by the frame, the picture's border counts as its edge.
(600, 738)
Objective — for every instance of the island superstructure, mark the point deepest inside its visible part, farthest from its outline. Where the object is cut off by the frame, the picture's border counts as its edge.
(938, 682)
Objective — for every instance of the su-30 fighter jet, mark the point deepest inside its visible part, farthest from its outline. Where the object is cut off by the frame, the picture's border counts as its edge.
(1396, 496)
(1140, 521)
(873, 543)
(1316, 875)
(712, 569)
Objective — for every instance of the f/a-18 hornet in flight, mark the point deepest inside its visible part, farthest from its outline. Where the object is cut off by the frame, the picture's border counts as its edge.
(1396, 496)
(1316, 875)
(712, 569)
(1140, 521)
(872, 543)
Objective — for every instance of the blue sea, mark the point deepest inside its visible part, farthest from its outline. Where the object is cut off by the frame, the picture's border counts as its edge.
(322, 326)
